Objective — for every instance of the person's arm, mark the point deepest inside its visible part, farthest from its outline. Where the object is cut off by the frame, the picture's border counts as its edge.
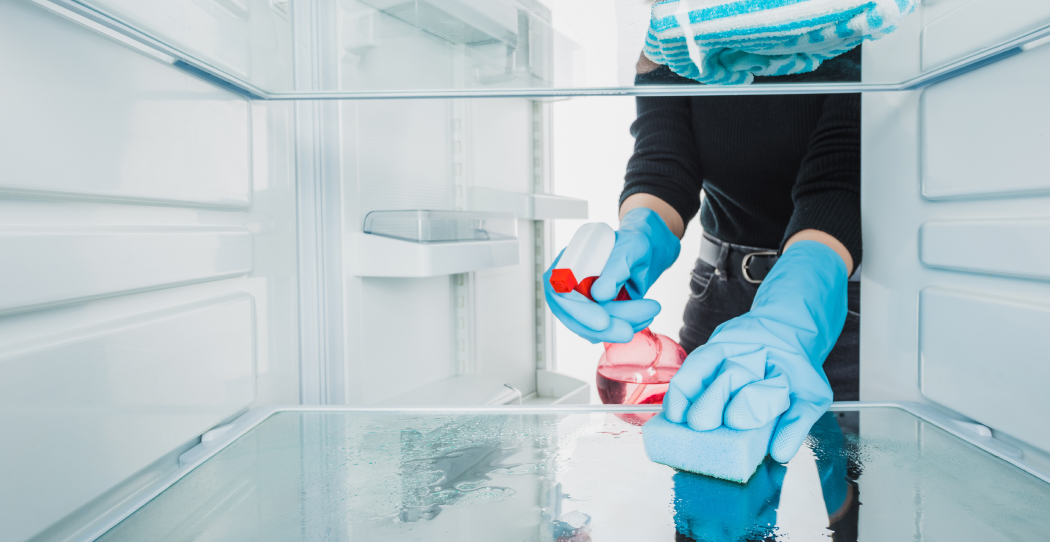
(765, 366)
(827, 191)
(661, 193)
(665, 210)
(827, 239)
(664, 173)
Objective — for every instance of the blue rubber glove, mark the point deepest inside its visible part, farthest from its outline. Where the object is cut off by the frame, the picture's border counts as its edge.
(767, 363)
(709, 509)
(645, 247)
(829, 447)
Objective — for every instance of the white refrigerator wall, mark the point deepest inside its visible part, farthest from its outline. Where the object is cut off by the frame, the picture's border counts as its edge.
(247, 39)
(956, 210)
(172, 254)
(387, 340)
(153, 227)
(407, 333)
(147, 267)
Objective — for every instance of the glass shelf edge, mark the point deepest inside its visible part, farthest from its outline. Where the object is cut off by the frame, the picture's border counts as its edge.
(661, 90)
(943, 422)
(255, 416)
(121, 31)
(975, 61)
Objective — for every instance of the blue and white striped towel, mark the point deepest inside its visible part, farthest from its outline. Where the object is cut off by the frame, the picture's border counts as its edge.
(730, 42)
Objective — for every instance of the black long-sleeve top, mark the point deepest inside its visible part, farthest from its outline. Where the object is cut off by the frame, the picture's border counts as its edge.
(771, 166)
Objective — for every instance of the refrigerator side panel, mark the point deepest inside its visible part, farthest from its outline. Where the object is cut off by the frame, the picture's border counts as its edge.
(148, 270)
(955, 201)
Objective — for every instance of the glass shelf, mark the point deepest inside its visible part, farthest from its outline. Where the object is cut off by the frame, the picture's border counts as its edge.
(581, 474)
(356, 49)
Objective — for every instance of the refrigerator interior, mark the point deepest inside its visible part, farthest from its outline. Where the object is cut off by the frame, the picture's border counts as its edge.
(184, 186)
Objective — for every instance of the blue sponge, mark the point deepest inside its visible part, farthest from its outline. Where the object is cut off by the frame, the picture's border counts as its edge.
(722, 452)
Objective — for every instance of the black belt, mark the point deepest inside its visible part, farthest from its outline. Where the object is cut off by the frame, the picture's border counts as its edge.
(752, 263)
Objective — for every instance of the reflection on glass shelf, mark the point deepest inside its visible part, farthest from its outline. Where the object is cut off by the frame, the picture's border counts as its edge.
(345, 49)
(442, 226)
(582, 475)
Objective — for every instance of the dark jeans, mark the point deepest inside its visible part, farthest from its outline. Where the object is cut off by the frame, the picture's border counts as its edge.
(716, 298)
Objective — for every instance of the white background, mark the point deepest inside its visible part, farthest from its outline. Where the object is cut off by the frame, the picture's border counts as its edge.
(592, 143)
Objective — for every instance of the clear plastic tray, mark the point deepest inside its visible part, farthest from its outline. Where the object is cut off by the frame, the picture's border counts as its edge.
(442, 226)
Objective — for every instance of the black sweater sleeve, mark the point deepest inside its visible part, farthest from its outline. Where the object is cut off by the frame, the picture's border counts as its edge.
(827, 191)
(665, 162)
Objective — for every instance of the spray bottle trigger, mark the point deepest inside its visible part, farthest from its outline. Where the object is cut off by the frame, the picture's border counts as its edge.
(585, 289)
(563, 281)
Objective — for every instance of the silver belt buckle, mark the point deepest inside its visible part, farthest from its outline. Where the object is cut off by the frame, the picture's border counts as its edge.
(746, 264)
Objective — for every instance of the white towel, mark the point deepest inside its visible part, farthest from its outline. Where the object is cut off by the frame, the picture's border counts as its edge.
(730, 42)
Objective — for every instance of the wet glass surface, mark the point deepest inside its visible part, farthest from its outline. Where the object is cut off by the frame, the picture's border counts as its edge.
(869, 474)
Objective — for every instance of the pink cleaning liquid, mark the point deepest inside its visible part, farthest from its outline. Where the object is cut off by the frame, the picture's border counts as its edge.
(638, 372)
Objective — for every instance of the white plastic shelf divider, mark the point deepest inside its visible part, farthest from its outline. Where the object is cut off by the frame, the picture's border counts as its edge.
(378, 256)
(459, 390)
(526, 206)
(482, 390)
(554, 388)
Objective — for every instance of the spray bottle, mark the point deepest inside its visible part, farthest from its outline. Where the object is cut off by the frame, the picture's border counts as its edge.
(634, 373)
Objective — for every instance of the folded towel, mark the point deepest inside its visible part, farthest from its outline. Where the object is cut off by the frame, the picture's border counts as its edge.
(722, 452)
(730, 42)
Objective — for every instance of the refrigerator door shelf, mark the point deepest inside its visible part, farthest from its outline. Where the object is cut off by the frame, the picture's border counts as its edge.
(569, 473)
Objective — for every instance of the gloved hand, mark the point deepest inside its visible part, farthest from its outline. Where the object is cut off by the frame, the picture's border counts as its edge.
(645, 247)
(709, 509)
(767, 363)
(829, 447)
